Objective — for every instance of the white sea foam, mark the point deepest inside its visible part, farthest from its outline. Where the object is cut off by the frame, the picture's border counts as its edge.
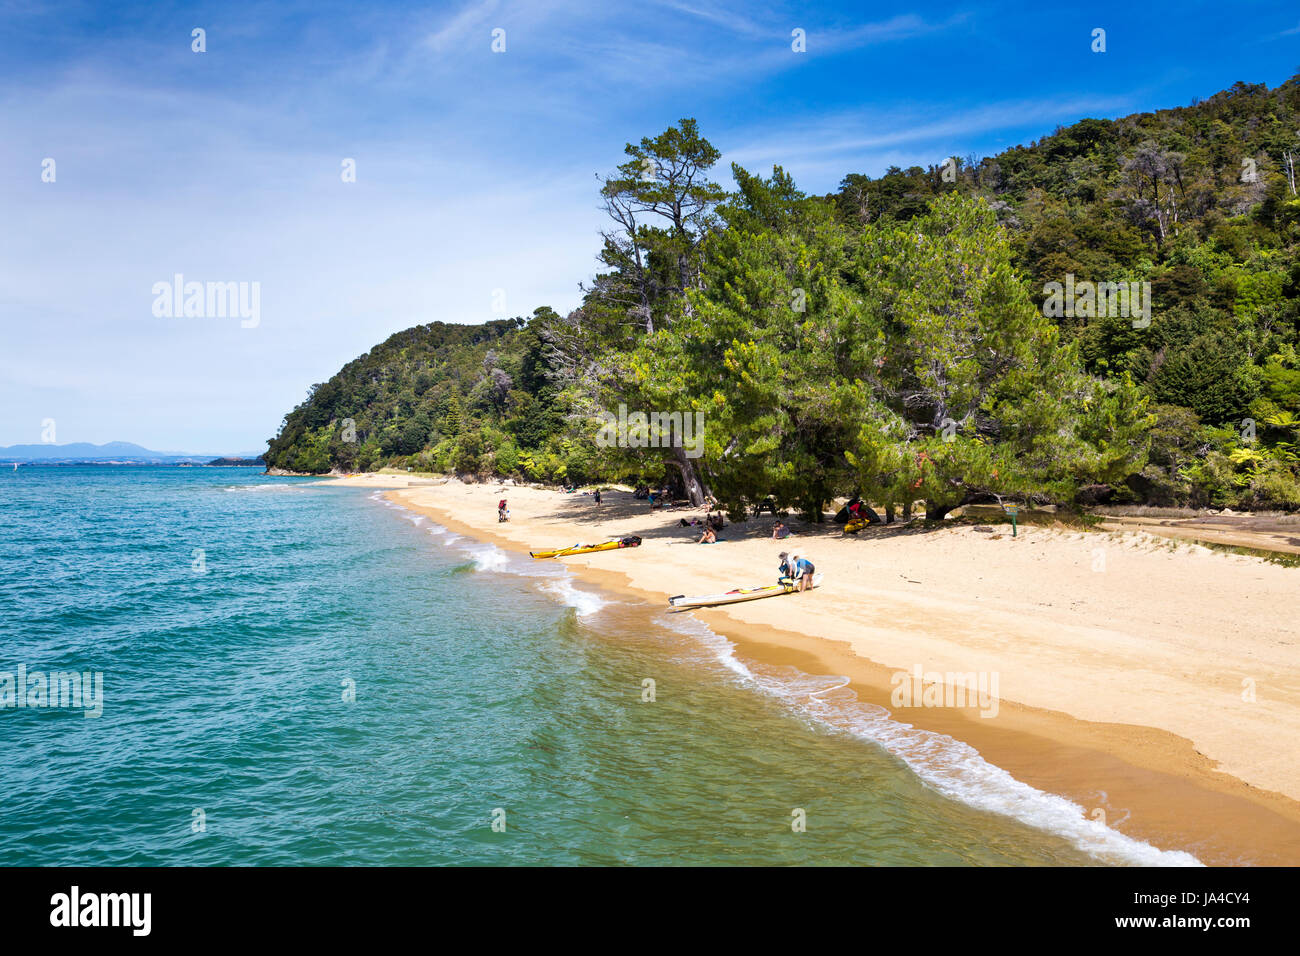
(584, 602)
(953, 768)
(488, 557)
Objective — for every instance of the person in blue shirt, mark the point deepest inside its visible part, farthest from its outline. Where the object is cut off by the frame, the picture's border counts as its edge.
(794, 568)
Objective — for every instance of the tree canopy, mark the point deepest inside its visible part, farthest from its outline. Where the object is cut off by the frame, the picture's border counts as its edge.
(896, 338)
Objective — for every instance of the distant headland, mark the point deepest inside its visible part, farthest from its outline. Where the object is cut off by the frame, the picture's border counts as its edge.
(117, 453)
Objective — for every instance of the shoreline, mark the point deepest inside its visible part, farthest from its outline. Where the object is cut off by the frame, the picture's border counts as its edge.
(1144, 781)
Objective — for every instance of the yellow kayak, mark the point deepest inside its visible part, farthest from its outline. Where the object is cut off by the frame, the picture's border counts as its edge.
(629, 542)
(740, 594)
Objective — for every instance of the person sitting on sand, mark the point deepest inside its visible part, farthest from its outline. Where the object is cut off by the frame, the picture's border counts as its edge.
(709, 537)
(780, 531)
(717, 523)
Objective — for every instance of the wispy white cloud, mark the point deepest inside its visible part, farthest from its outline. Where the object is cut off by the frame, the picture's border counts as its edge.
(902, 27)
(720, 15)
(456, 33)
(589, 48)
(840, 141)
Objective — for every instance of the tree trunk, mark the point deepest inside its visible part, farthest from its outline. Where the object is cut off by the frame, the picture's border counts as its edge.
(889, 513)
(935, 512)
(907, 510)
(694, 485)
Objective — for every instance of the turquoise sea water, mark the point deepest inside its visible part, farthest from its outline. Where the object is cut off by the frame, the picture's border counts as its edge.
(228, 614)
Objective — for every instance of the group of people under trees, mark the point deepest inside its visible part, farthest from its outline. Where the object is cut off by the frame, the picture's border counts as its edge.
(712, 525)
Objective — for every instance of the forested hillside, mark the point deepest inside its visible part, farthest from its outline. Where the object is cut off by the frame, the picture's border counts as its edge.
(941, 333)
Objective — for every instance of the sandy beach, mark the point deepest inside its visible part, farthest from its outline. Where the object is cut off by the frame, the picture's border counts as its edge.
(1153, 682)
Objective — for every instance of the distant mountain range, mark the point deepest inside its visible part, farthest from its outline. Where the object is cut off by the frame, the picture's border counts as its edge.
(115, 451)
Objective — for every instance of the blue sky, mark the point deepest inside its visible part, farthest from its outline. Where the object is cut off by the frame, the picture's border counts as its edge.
(476, 171)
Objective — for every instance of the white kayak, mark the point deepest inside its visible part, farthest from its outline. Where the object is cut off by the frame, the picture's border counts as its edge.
(738, 595)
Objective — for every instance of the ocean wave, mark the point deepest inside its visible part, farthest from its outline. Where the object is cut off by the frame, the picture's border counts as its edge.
(950, 766)
(487, 557)
(583, 602)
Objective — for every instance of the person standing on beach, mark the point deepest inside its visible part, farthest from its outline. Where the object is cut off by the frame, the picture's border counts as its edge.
(804, 570)
(794, 568)
(598, 497)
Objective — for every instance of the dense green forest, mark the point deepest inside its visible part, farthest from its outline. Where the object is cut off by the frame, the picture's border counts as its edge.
(953, 334)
